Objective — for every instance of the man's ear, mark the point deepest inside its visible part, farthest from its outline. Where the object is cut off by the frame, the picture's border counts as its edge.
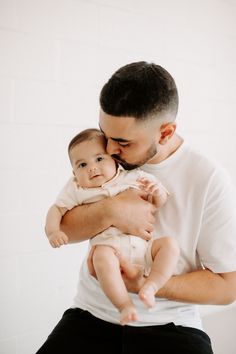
(167, 131)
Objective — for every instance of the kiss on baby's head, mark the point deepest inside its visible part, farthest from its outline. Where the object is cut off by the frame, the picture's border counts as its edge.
(86, 135)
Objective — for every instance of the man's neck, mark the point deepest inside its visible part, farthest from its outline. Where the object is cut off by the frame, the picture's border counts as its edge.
(164, 151)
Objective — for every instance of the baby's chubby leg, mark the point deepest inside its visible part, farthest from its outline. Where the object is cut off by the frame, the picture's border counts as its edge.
(107, 268)
(165, 254)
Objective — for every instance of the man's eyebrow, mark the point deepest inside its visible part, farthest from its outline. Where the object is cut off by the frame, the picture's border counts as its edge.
(116, 139)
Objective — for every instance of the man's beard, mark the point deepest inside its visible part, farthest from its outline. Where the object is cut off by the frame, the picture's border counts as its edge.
(151, 152)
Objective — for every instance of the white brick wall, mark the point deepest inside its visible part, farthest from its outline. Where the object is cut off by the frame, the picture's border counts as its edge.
(54, 58)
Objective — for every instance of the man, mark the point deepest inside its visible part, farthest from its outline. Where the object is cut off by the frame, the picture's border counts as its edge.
(139, 105)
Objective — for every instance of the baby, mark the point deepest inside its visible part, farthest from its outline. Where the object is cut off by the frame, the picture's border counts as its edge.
(95, 176)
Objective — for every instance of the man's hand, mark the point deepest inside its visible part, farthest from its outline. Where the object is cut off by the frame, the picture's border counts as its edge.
(133, 214)
(129, 211)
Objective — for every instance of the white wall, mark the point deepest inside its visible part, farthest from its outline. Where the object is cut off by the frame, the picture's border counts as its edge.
(54, 57)
(220, 326)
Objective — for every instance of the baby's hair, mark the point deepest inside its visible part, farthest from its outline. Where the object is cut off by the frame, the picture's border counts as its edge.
(86, 135)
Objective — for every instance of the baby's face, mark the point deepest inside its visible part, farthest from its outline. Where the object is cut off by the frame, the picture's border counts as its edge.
(92, 166)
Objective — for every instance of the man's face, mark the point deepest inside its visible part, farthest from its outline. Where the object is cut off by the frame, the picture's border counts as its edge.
(130, 142)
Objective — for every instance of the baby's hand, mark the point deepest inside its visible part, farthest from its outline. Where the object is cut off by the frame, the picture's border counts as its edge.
(156, 194)
(57, 239)
(149, 187)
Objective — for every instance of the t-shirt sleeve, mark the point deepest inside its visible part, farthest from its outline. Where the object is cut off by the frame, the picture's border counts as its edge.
(217, 242)
(68, 196)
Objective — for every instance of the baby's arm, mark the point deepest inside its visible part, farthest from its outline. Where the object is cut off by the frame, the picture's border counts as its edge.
(157, 194)
(52, 228)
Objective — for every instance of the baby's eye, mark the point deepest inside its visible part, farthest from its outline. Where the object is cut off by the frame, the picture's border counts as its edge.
(82, 164)
(100, 158)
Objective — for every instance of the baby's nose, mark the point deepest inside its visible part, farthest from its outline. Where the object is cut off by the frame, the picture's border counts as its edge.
(92, 169)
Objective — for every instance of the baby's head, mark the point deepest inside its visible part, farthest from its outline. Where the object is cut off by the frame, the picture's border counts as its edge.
(91, 164)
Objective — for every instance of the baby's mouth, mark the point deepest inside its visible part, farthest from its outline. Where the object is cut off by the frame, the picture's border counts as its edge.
(95, 176)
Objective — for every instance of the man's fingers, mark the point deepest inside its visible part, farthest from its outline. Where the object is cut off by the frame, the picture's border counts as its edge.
(147, 235)
(152, 218)
(149, 227)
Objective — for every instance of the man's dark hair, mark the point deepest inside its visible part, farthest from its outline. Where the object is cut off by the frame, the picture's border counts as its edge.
(140, 90)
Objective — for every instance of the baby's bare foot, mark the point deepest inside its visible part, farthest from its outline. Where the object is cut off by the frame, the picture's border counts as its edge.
(147, 294)
(128, 314)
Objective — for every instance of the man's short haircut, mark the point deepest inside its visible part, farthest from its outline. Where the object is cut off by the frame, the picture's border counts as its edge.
(86, 135)
(141, 90)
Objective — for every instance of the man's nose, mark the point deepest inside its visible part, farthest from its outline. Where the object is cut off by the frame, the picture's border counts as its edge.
(112, 147)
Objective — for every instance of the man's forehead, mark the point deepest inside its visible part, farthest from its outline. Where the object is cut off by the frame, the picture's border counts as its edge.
(115, 137)
(119, 128)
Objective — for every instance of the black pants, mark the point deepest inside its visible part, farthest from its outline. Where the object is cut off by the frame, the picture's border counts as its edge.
(80, 332)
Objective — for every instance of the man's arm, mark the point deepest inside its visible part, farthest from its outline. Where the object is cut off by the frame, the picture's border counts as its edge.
(128, 211)
(85, 221)
(199, 287)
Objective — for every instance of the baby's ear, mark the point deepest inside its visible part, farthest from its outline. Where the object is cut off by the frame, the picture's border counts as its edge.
(75, 179)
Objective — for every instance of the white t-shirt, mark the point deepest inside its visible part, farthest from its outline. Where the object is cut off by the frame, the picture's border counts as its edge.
(200, 214)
